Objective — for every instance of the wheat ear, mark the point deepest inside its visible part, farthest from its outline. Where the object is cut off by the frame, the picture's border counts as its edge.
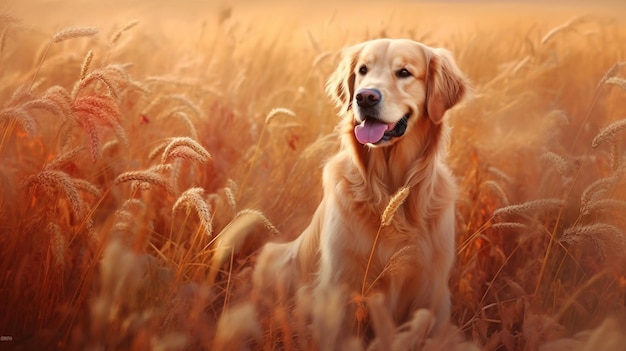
(500, 174)
(62, 182)
(64, 158)
(21, 116)
(65, 34)
(496, 188)
(72, 33)
(617, 81)
(119, 33)
(86, 63)
(529, 206)
(192, 198)
(594, 190)
(394, 203)
(150, 177)
(562, 28)
(191, 146)
(276, 111)
(561, 165)
(401, 258)
(619, 206)
(609, 132)
(606, 238)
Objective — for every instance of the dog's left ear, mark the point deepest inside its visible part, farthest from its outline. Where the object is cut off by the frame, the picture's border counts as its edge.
(445, 84)
(340, 84)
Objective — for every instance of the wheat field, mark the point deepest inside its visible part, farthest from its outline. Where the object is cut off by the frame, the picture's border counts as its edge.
(150, 148)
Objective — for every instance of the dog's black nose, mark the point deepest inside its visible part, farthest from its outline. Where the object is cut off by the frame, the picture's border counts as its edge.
(367, 97)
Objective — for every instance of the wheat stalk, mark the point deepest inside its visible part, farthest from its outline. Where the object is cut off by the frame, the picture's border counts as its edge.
(174, 146)
(230, 197)
(98, 76)
(509, 225)
(62, 182)
(394, 203)
(266, 222)
(62, 99)
(617, 81)
(119, 33)
(609, 132)
(85, 66)
(64, 158)
(529, 206)
(607, 239)
(149, 177)
(561, 165)
(401, 258)
(619, 206)
(276, 111)
(87, 186)
(73, 33)
(115, 79)
(496, 188)
(43, 104)
(184, 117)
(192, 198)
(92, 110)
(500, 174)
(185, 153)
(562, 28)
(594, 190)
(611, 72)
(186, 102)
(65, 34)
(22, 117)
(158, 150)
(88, 124)
(616, 155)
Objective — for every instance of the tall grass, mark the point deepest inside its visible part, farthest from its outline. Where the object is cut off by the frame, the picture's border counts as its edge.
(143, 165)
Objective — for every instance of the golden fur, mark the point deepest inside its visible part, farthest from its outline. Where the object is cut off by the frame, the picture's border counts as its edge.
(358, 182)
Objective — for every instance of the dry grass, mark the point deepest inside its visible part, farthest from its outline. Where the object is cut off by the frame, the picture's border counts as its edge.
(143, 165)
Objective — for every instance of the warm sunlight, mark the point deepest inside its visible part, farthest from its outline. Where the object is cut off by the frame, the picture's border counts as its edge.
(150, 148)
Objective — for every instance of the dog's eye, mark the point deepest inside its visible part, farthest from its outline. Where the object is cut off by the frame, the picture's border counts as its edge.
(403, 73)
(363, 70)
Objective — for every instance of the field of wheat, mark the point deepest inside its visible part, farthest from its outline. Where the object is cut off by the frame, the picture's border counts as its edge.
(148, 149)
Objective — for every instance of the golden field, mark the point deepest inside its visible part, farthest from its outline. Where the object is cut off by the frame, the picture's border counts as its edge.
(149, 148)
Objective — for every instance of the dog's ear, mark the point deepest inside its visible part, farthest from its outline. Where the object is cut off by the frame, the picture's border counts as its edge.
(340, 84)
(445, 84)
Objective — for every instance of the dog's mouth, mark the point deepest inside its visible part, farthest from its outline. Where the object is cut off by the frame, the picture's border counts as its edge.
(374, 131)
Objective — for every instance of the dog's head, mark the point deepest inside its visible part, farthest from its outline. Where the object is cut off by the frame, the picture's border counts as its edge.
(386, 85)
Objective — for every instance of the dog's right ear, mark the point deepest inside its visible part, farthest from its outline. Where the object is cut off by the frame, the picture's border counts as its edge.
(340, 84)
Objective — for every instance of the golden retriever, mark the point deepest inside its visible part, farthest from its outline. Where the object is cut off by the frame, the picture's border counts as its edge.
(393, 95)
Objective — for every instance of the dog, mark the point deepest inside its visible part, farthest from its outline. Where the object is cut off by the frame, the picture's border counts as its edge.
(392, 95)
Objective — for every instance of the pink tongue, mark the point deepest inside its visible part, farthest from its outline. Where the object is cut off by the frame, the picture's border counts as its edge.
(370, 131)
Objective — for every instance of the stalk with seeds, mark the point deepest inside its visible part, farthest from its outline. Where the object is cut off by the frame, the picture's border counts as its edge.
(394, 203)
